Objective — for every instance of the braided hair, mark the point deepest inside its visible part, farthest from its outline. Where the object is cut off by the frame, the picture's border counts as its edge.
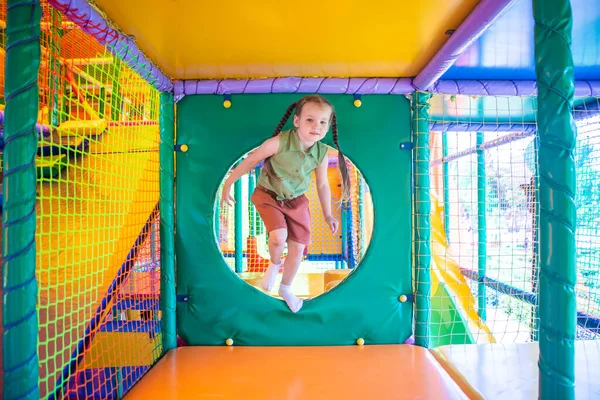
(267, 166)
(342, 165)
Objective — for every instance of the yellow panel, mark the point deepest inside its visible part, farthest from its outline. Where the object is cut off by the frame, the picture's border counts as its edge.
(340, 372)
(192, 39)
(510, 371)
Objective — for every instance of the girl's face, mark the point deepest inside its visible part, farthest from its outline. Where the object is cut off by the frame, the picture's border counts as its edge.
(313, 122)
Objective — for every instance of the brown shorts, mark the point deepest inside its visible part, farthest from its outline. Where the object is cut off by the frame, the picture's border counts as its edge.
(291, 214)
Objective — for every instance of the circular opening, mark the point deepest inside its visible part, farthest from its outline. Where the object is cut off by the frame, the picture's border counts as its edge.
(326, 261)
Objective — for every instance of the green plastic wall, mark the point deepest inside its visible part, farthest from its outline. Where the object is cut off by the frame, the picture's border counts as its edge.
(215, 304)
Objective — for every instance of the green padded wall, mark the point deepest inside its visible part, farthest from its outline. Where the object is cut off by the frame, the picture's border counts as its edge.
(214, 304)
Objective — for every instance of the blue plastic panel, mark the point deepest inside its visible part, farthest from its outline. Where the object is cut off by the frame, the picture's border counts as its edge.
(506, 50)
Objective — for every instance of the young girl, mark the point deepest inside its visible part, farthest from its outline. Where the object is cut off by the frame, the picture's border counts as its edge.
(290, 157)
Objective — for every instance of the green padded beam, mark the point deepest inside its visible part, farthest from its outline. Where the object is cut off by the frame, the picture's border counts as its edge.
(481, 229)
(238, 242)
(19, 285)
(422, 209)
(215, 304)
(557, 138)
(446, 189)
(167, 221)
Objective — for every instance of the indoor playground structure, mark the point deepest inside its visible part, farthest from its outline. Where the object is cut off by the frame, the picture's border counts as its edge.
(467, 263)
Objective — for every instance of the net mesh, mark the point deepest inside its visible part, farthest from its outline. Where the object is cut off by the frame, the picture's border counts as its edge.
(587, 236)
(97, 218)
(485, 212)
(328, 259)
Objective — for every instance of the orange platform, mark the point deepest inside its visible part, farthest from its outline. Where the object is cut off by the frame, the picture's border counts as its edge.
(345, 372)
(510, 371)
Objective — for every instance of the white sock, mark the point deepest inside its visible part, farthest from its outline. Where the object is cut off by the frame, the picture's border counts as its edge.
(293, 302)
(268, 280)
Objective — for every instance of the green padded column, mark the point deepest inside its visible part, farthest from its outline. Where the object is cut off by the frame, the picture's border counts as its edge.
(481, 229)
(19, 285)
(421, 210)
(167, 222)
(446, 190)
(251, 208)
(361, 219)
(345, 227)
(102, 103)
(116, 102)
(557, 138)
(54, 49)
(238, 215)
(259, 225)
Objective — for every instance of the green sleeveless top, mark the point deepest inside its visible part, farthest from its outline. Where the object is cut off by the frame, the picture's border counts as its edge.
(293, 165)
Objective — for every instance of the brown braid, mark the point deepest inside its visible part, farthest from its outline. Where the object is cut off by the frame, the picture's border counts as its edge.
(342, 166)
(267, 166)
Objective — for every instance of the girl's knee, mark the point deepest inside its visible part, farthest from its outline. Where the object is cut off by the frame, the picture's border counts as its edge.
(295, 247)
(278, 237)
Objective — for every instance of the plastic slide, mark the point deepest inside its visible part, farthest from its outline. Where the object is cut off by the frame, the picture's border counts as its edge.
(454, 318)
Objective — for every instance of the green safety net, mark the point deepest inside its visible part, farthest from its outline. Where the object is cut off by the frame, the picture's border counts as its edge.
(97, 217)
(485, 188)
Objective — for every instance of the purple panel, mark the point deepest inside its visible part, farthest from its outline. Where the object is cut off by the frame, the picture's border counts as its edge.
(370, 86)
(310, 85)
(296, 85)
(287, 85)
(587, 88)
(475, 127)
(178, 87)
(260, 85)
(506, 50)
(506, 88)
(482, 17)
(486, 88)
(92, 23)
(43, 129)
(586, 111)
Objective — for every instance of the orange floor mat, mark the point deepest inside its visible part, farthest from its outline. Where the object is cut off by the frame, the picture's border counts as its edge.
(344, 372)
